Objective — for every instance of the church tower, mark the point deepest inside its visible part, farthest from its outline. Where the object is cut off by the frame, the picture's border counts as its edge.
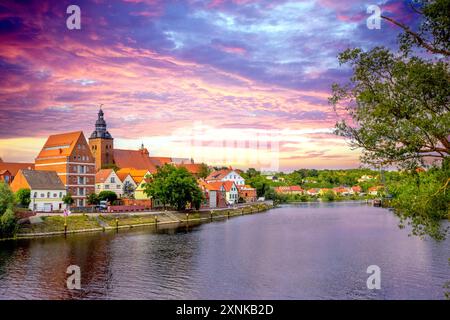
(101, 143)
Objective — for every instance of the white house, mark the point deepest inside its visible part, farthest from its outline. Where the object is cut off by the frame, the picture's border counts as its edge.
(226, 175)
(232, 192)
(107, 179)
(46, 189)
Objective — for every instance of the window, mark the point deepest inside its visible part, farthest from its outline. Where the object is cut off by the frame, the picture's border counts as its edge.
(35, 195)
(42, 195)
(60, 195)
(55, 195)
(48, 194)
(106, 186)
(81, 191)
(113, 180)
(118, 186)
(81, 180)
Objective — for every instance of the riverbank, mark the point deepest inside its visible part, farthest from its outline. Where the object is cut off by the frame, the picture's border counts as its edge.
(53, 225)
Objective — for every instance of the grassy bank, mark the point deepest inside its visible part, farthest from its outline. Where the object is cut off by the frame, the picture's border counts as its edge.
(52, 225)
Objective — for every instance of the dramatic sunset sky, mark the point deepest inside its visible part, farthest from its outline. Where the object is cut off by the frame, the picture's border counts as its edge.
(241, 82)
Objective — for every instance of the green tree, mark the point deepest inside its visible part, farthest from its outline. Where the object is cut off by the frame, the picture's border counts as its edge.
(328, 195)
(23, 196)
(260, 183)
(174, 186)
(8, 221)
(251, 173)
(93, 199)
(107, 195)
(270, 194)
(204, 171)
(67, 199)
(399, 106)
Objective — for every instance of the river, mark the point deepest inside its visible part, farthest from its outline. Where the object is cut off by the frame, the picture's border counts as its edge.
(304, 251)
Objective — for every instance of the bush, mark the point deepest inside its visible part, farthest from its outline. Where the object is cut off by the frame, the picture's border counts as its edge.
(8, 224)
(67, 199)
(328, 196)
(8, 221)
(107, 195)
(93, 199)
(23, 197)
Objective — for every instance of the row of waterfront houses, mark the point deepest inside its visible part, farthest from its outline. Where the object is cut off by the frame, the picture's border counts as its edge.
(68, 163)
(344, 191)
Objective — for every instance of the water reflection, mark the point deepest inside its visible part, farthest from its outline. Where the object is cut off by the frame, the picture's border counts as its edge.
(293, 252)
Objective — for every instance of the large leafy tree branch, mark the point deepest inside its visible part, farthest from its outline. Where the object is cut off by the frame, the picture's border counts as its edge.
(396, 107)
(433, 33)
(398, 104)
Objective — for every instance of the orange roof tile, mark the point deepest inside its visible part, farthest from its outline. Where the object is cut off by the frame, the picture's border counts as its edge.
(160, 161)
(228, 185)
(218, 174)
(102, 174)
(122, 175)
(214, 185)
(136, 175)
(193, 168)
(14, 167)
(60, 144)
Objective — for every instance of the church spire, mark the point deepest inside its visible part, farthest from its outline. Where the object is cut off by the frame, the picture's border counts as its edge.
(100, 127)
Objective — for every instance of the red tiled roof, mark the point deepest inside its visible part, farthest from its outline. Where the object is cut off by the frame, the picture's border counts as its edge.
(214, 185)
(137, 175)
(60, 144)
(193, 168)
(282, 189)
(160, 161)
(14, 167)
(122, 175)
(102, 174)
(218, 174)
(228, 185)
(136, 159)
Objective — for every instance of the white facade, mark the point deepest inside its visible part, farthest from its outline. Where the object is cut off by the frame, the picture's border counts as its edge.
(111, 183)
(47, 200)
(232, 195)
(235, 177)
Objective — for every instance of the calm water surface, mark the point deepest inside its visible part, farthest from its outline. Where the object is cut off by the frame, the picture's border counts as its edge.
(308, 251)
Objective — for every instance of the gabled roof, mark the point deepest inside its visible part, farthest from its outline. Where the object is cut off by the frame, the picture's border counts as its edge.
(4, 172)
(219, 174)
(102, 175)
(123, 175)
(60, 144)
(215, 186)
(136, 175)
(228, 185)
(42, 180)
(137, 159)
(14, 167)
